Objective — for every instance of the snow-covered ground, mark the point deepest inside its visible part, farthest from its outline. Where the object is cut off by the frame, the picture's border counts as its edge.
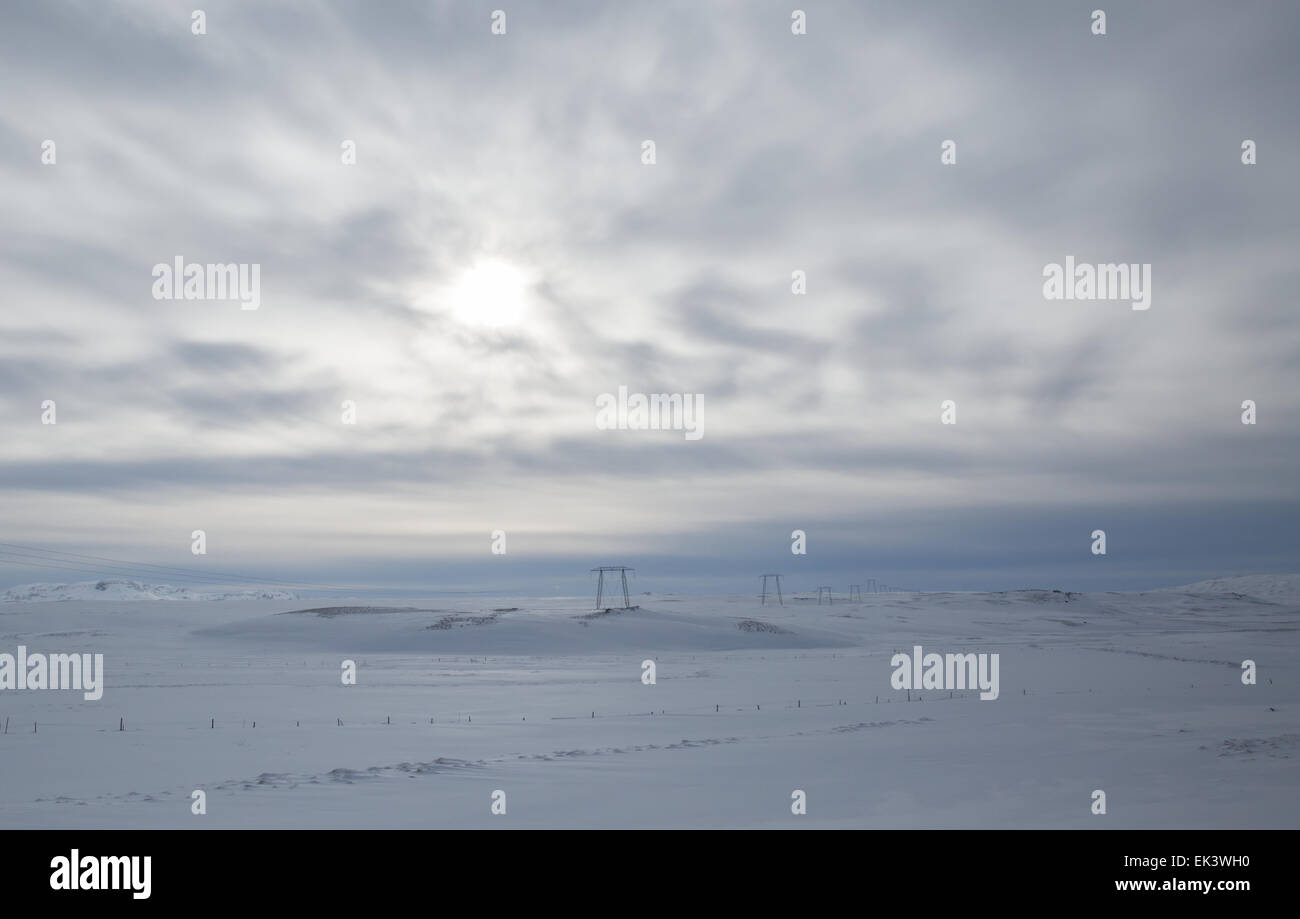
(1136, 694)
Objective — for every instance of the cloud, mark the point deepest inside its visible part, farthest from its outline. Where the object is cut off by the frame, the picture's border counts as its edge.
(775, 153)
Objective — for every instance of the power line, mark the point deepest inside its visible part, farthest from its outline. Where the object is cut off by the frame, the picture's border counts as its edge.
(69, 565)
(142, 568)
(139, 565)
(185, 580)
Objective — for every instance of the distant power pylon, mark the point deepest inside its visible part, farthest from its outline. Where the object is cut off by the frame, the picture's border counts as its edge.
(872, 586)
(779, 598)
(600, 583)
(855, 590)
(829, 601)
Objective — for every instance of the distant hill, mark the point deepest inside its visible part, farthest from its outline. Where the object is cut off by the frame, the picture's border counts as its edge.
(123, 589)
(1276, 588)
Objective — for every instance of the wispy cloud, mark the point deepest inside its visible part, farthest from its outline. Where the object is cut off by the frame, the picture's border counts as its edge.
(775, 153)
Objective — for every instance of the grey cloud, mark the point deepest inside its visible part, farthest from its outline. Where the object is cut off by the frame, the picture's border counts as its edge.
(819, 152)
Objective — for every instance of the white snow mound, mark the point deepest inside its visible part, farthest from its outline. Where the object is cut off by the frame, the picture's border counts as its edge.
(1275, 588)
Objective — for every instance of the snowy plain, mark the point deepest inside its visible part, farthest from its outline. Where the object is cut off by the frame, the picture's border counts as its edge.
(1137, 694)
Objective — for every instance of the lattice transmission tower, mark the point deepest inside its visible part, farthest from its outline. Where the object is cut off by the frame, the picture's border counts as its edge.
(779, 598)
(600, 583)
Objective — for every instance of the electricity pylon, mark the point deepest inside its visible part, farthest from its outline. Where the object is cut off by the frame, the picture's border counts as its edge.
(600, 583)
(779, 598)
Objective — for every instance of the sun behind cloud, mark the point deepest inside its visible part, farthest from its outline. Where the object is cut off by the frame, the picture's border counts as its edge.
(492, 293)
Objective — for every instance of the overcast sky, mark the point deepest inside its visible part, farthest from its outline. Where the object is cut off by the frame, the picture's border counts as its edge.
(499, 256)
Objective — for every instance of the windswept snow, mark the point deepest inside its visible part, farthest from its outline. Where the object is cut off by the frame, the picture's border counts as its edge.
(1140, 695)
(544, 627)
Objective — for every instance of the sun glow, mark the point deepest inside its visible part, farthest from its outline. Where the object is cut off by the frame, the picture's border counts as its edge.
(491, 294)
